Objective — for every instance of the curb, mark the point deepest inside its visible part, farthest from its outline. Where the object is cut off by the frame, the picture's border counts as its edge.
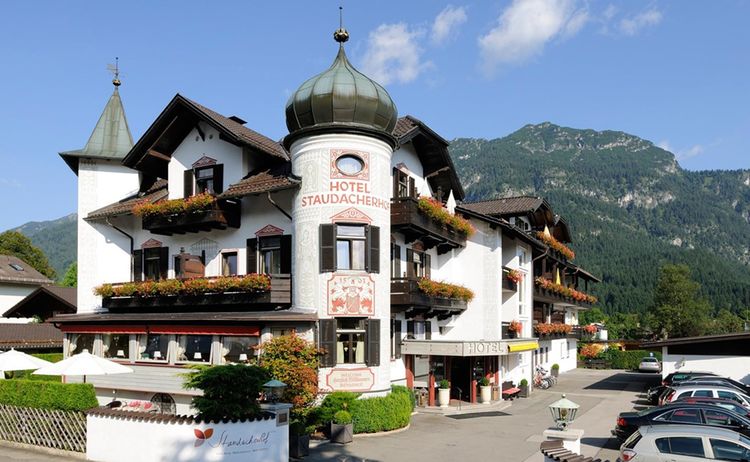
(42, 450)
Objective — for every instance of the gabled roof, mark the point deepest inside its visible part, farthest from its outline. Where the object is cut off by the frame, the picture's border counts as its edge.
(263, 180)
(508, 228)
(45, 302)
(152, 152)
(432, 150)
(16, 271)
(125, 206)
(32, 335)
(111, 138)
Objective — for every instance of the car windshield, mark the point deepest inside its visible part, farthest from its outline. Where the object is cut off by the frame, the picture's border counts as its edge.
(650, 360)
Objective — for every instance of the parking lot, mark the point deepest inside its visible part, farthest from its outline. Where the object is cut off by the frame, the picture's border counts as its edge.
(513, 434)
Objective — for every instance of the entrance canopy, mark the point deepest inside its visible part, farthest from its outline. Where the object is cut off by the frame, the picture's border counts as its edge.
(467, 347)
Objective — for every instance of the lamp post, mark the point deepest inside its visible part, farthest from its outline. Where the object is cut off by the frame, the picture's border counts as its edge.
(563, 412)
(274, 389)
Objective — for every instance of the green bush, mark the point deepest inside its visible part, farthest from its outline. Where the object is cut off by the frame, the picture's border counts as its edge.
(228, 391)
(555, 366)
(48, 395)
(383, 413)
(444, 384)
(342, 418)
(333, 402)
(626, 359)
(523, 383)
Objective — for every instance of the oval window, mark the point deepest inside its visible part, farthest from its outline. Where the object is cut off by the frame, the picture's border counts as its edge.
(349, 164)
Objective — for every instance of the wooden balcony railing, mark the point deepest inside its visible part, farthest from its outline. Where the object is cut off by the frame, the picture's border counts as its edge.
(407, 297)
(407, 219)
(222, 215)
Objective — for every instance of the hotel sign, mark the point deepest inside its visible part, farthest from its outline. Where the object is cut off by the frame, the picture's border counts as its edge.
(485, 348)
(351, 379)
(455, 348)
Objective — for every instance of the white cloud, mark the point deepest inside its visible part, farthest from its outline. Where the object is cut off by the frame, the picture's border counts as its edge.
(664, 144)
(682, 154)
(525, 27)
(632, 25)
(446, 24)
(393, 54)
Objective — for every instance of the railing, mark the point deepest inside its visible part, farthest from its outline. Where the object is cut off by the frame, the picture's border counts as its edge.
(405, 293)
(406, 218)
(280, 293)
(554, 296)
(64, 430)
(223, 214)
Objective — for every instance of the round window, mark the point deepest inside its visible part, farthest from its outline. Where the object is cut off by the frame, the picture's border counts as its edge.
(349, 164)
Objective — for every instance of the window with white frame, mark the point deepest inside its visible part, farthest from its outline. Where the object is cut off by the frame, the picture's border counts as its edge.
(237, 349)
(116, 346)
(523, 257)
(153, 347)
(522, 295)
(79, 342)
(194, 348)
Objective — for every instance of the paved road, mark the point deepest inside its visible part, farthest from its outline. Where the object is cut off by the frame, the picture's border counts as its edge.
(512, 435)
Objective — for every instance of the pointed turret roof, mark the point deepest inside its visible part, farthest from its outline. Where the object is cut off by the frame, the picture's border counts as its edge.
(111, 138)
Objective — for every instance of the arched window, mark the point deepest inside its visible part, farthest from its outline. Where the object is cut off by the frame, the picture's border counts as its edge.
(165, 403)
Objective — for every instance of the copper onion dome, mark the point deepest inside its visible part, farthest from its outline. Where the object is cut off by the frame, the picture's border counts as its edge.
(340, 99)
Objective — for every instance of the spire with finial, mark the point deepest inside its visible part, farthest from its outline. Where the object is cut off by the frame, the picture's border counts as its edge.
(341, 35)
(115, 70)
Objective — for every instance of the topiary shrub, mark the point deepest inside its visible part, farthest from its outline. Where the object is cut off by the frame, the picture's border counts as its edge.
(48, 395)
(229, 392)
(383, 413)
(332, 403)
(342, 418)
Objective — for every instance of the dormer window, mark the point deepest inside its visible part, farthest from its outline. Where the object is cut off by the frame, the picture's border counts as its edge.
(204, 180)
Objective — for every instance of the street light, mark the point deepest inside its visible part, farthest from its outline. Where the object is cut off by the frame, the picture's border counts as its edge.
(563, 412)
(273, 390)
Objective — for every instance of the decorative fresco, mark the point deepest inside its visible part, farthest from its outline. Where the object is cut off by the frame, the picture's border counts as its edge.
(364, 174)
(351, 215)
(350, 295)
(269, 230)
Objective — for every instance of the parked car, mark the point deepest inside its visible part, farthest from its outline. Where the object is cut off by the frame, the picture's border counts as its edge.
(683, 443)
(744, 388)
(649, 364)
(653, 394)
(703, 391)
(724, 403)
(683, 413)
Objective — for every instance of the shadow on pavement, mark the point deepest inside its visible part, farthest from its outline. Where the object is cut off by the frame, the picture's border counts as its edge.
(601, 442)
(621, 380)
(478, 414)
(333, 452)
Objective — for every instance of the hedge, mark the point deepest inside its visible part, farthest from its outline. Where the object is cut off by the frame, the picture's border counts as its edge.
(626, 359)
(48, 395)
(51, 357)
(333, 402)
(384, 413)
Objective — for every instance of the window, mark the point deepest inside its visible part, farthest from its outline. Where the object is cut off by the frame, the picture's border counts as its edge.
(270, 255)
(349, 341)
(153, 347)
(164, 403)
(719, 418)
(150, 263)
(522, 296)
(395, 261)
(687, 446)
(730, 395)
(16, 266)
(703, 393)
(194, 348)
(403, 184)
(281, 331)
(237, 349)
(116, 346)
(523, 257)
(396, 338)
(349, 247)
(418, 264)
(684, 394)
(727, 450)
(79, 342)
(204, 180)
(349, 164)
(229, 264)
(685, 416)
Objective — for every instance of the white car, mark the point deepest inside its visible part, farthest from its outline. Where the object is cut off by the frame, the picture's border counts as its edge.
(649, 364)
(684, 443)
(706, 391)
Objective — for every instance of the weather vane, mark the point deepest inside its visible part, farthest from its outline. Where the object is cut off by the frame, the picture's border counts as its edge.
(115, 70)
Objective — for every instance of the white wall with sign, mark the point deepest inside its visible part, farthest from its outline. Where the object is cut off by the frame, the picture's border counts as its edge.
(117, 437)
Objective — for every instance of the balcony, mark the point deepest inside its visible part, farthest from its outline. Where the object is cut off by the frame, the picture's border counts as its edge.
(222, 214)
(550, 296)
(407, 219)
(406, 296)
(278, 294)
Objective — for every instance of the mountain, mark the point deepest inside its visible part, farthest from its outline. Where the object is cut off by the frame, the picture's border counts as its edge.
(630, 207)
(56, 238)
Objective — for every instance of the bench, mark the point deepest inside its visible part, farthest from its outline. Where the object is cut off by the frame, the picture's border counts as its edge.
(597, 364)
(509, 390)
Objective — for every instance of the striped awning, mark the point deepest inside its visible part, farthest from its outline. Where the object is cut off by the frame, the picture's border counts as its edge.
(523, 346)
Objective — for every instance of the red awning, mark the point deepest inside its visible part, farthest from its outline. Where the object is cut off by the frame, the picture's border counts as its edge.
(253, 331)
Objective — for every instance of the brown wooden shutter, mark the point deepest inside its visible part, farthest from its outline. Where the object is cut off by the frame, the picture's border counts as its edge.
(395, 181)
(218, 179)
(410, 263)
(372, 236)
(398, 337)
(286, 254)
(372, 328)
(327, 248)
(137, 265)
(412, 188)
(163, 262)
(396, 257)
(252, 256)
(410, 329)
(427, 264)
(428, 330)
(327, 342)
(188, 186)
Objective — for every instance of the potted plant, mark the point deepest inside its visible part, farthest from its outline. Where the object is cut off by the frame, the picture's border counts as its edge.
(299, 440)
(514, 329)
(444, 393)
(485, 390)
(524, 386)
(342, 428)
(555, 370)
(514, 276)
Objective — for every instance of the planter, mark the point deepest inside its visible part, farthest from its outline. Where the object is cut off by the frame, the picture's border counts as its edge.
(524, 391)
(444, 396)
(512, 334)
(485, 394)
(299, 445)
(555, 372)
(342, 433)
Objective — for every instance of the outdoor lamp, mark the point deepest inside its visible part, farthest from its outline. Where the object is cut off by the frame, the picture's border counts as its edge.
(197, 355)
(273, 390)
(563, 412)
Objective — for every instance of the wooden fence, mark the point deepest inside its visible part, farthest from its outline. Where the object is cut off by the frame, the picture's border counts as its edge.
(65, 430)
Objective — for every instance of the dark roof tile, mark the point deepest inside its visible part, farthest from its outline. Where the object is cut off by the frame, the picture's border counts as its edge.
(125, 206)
(10, 272)
(263, 180)
(505, 205)
(32, 335)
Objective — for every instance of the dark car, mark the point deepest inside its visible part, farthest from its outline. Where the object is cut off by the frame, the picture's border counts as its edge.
(681, 413)
(732, 405)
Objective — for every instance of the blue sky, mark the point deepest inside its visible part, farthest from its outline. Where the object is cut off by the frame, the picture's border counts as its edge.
(674, 72)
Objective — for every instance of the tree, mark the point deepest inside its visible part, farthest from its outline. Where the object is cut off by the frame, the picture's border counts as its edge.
(595, 314)
(726, 322)
(71, 276)
(16, 244)
(229, 392)
(294, 361)
(678, 310)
